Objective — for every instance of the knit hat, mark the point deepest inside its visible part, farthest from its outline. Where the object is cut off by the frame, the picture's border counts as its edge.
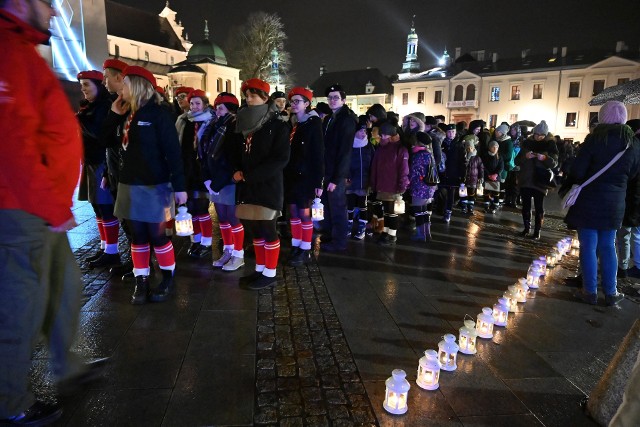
(612, 112)
(377, 111)
(471, 139)
(541, 128)
(278, 94)
(423, 139)
(335, 88)
(430, 120)
(134, 70)
(305, 93)
(493, 144)
(182, 89)
(362, 122)
(116, 64)
(388, 129)
(634, 124)
(468, 143)
(255, 84)
(91, 74)
(503, 129)
(420, 116)
(476, 124)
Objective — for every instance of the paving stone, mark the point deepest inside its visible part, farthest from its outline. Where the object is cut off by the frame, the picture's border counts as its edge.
(267, 415)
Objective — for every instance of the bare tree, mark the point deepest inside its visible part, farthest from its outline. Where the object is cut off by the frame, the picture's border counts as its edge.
(250, 48)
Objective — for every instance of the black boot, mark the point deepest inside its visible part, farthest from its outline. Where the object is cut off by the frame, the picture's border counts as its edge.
(106, 261)
(95, 256)
(302, 257)
(141, 291)
(164, 289)
(537, 227)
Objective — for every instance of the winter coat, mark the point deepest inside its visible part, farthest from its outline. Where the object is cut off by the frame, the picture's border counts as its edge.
(216, 152)
(264, 155)
(505, 150)
(338, 130)
(454, 164)
(437, 136)
(189, 142)
(42, 149)
(493, 165)
(91, 118)
(474, 172)
(152, 155)
(360, 169)
(390, 167)
(601, 204)
(305, 170)
(421, 157)
(528, 166)
(112, 131)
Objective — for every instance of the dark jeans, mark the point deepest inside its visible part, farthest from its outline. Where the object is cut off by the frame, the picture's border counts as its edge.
(335, 212)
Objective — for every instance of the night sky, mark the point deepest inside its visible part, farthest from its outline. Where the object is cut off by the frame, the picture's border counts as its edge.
(352, 34)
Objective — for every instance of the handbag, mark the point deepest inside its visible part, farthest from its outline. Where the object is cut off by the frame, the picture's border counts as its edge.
(431, 178)
(569, 199)
(492, 186)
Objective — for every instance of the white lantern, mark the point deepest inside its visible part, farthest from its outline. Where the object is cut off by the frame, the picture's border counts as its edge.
(512, 304)
(522, 289)
(428, 371)
(575, 243)
(317, 210)
(184, 225)
(552, 259)
(540, 267)
(468, 337)
(484, 326)
(448, 353)
(559, 251)
(533, 276)
(462, 192)
(395, 397)
(543, 265)
(398, 206)
(501, 312)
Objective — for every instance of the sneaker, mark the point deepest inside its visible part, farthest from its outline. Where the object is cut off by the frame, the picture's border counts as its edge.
(447, 216)
(233, 264)
(586, 297)
(39, 414)
(611, 300)
(262, 282)
(633, 272)
(360, 233)
(106, 261)
(220, 262)
(622, 274)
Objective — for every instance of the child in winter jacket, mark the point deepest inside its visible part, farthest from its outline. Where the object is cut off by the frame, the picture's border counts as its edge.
(474, 172)
(422, 185)
(358, 181)
(493, 168)
(389, 178)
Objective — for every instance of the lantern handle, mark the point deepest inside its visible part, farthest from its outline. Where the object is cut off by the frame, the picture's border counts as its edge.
(466, 315)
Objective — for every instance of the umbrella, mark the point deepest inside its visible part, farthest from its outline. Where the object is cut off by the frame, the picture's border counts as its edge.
(527, 123)
(627, 93)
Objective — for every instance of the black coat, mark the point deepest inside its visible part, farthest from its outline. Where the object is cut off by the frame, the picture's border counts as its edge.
(217, 152)
(112, 130)
(601, 204)
(455, 169)
(339, 131)
(91, 119)
(526, 177)
(305, 170)
(262, 163)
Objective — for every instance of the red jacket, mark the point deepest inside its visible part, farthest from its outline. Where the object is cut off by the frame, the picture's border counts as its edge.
(390, 167)
(41, 145)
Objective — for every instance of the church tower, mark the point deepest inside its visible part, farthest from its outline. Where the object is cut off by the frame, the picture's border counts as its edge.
(411, 64)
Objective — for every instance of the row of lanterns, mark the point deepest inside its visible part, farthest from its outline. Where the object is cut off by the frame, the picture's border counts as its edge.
(445, 359)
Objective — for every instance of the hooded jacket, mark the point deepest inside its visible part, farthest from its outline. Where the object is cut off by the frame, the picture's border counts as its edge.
(41, 153)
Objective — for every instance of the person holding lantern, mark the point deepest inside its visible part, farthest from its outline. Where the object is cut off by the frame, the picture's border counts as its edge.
(215, 154)
(151, 175)
(190, 127)
(263, 140)
(304, 173)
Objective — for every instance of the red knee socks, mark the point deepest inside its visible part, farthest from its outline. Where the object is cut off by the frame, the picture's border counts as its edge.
(258, 248)
(296, 232)
(238, 240)
(227, 235)
(307, 235)
(206, 227)
(111, 228)
(165, 256)
(271, 252)
(140, 257)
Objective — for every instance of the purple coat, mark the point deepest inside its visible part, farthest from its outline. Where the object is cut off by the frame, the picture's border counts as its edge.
(419, 165)
(475, 172)
(390, 168)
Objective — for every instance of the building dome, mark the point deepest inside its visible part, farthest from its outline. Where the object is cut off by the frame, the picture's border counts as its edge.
(206, 50)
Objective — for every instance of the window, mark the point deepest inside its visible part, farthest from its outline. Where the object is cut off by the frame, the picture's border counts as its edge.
(219, 85)
(623, 80)
(513, 118)
(421, 97)
(437, 97)
(457, 94)
(471, 92)
(405, 98)
(494, 94)
(593, 117)
(493, 120)
(574, 89)
(228, 86)
(537, 91)
(117, 51)
(515, 93)
(146, 55)
(571, 120)
(598, 86)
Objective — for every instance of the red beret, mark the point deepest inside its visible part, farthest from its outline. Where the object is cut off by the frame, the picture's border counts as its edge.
(134, 70)
(255, 84)
(224, 99)
(91, 74)
(196, 93)
(116, 64)
(160, 90)
(183, 89)
(302, 92)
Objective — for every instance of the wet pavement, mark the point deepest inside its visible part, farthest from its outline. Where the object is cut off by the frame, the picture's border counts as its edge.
(316, 349)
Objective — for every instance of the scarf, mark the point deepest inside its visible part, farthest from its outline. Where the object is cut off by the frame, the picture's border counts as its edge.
(213, 135)
(470, 154)
(359, 143)
(251, 118)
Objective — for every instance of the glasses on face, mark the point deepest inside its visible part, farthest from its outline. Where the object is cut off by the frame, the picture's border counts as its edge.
(334, 98)
(181, 96)
(297, 101)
